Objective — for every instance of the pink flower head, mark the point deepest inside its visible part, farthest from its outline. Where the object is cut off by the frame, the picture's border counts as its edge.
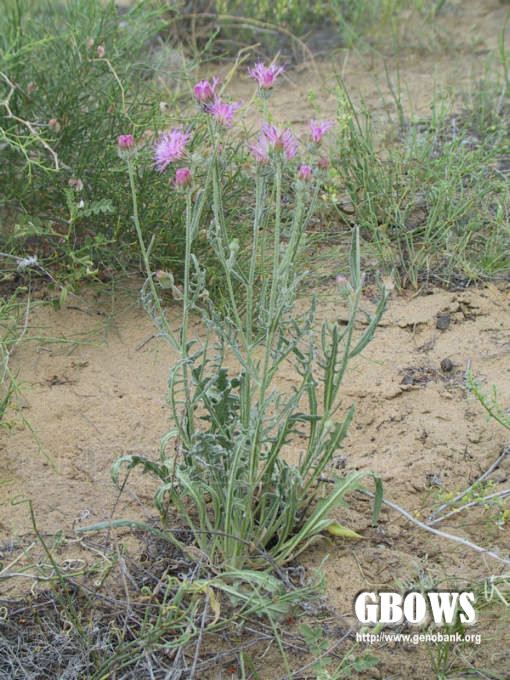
(265, 75)
(125, 142)
(182, 178)
(318, 128)
(204, 90)
(281, 140)
(76, 184)
(100, 51)
(324, 163)
(273, 139)
(54, 124)
(224, 113)
(305, 173)
(170, 148)
(261, 151)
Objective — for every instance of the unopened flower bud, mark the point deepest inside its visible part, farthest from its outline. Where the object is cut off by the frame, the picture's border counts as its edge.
(343, 285)
(234, 247)
(76, 184)
(182, 178)
(126, 142)
(305, 173)
(100, 51)
(324, 163)
(204, 90)
(90, 43)
(54, 124)
(165, 279)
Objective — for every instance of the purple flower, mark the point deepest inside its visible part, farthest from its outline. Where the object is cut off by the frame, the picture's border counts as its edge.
(125, 142)
(261, 150)
(170, 148)
(281, 140)
(273, 139)
(265, 75)
(204, 90)
(318, 128)
(224, 113)
(182, 178)
(324, 163)
(305, 173)
(76, 184)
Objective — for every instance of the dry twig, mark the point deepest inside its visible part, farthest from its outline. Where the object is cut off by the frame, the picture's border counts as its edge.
(30, 126)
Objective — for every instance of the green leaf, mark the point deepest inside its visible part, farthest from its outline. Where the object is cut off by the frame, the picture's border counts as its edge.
(63, 296)
(379, 491)
(160, 471)
(337, 529)
(261, 592)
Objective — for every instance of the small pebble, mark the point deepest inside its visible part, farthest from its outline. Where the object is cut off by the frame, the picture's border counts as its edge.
(443, 321)
(446, 365)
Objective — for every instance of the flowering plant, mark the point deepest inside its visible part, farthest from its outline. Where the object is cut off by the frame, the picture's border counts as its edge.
(204, 90)
(252, 506)
(265, 75)
(223, 112)
(170, 148)
(317, 129)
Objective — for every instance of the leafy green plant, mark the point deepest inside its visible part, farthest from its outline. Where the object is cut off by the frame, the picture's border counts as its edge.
(9, 336)
(13, 324)
(489, 401)
(322, 667)
(72, 75)
(246, 505)
(355, 18)
(289, 26)
(287, 12)
(426, 202)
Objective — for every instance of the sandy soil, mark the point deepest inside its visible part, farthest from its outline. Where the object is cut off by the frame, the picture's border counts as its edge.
(100, 396)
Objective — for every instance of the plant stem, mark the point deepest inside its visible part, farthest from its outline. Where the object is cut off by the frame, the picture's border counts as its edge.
(276, 242)
(155, 296)
(259, 211)
(185, 314)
